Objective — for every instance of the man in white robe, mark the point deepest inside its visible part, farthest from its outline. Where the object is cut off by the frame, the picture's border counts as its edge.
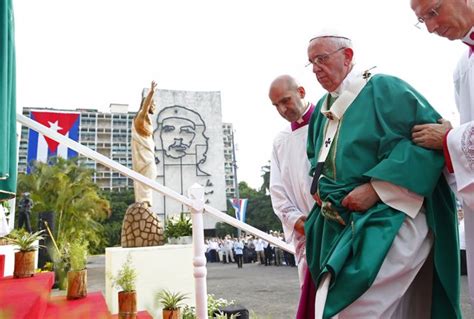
(454, 19)
(143, 148)
(289, 180)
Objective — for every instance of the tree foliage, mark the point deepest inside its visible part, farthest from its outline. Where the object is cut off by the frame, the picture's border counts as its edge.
(259, 207)
(66, 188)
(119, 202)
(265, 188)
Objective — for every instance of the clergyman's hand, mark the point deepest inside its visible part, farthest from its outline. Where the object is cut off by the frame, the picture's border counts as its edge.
(431, 135)
(299, 225)
(361, 198)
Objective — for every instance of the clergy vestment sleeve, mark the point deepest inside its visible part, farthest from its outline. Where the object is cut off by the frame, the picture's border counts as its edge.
(398, 197)
(460, 144)
(286, 211)
(398, 108)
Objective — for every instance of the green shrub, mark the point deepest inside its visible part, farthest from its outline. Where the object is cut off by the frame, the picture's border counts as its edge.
(126, 276)
(24, 240)
(178, 227)
(170, 300)
(213, 304)
(78, 255)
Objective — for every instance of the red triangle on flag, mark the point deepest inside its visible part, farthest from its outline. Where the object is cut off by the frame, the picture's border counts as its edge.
(61, 122)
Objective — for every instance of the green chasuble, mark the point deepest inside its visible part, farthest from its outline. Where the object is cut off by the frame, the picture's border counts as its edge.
(8, 155)
(374, 142)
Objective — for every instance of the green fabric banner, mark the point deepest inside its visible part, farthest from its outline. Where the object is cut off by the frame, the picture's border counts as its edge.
(8, 139)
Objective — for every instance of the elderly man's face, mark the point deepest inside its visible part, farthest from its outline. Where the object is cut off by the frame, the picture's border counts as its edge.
(335, 67)
(447, 18)
(177, 135)
(288, 101)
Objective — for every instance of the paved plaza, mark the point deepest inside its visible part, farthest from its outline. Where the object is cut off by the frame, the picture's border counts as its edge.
(269, 292)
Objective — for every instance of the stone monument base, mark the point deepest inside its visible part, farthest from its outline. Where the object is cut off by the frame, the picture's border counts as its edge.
(141, 227)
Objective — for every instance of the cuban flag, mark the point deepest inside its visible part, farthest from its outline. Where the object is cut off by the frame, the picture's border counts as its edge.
(240, 208)
(41, 148)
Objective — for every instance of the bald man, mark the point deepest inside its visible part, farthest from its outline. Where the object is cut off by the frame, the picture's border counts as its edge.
(289, 179)
(454, 20)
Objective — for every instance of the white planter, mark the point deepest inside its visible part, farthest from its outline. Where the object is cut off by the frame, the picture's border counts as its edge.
(158, 267)
(173, 240)
(183, 240)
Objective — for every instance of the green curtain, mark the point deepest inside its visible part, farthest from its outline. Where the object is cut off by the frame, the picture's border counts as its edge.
(8, 139)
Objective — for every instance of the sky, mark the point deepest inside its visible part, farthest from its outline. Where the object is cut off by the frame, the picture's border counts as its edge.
(91, 53)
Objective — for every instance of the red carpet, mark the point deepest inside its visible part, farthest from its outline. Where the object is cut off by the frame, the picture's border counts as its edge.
(92, 307)
(25, 298)
(29, 298)
(2, 265)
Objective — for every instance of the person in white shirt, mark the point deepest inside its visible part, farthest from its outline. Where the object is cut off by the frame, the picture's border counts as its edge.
(290, 182)
(228, 247)
(259, 247)
(239, 251)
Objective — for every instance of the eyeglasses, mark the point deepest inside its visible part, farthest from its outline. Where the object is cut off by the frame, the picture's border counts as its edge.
(433, 12)
(322, 58)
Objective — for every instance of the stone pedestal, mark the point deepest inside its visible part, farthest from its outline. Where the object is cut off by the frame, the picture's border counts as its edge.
(158, 267)
(141, 228)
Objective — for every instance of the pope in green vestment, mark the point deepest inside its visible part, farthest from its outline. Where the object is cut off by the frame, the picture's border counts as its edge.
(8, 155)
(373, 142)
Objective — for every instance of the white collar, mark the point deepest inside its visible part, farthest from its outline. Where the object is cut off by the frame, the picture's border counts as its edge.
(351, 87)
(345, 83)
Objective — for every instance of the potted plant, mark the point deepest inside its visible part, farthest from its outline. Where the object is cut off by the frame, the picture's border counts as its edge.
(77, 275)
(26, 244)
(179, 230)
(127, 297)
(61, 264)
(214, 305)
(171, 303)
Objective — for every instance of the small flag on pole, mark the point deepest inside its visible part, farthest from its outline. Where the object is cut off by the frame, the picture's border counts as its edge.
(240, 207)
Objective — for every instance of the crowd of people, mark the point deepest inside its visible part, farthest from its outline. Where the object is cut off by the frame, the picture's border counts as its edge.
(247, 249)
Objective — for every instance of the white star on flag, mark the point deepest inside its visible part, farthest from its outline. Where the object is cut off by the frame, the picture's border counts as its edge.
(54, 126)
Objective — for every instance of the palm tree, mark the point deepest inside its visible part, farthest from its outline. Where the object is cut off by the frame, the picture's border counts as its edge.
(66, 188)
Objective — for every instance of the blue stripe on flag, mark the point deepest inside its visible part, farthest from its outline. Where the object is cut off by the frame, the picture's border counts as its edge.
(32, 148)
(74, 135)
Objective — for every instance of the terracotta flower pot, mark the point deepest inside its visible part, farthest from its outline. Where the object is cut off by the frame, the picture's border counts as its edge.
(127, 304)
(171, 314)
(24, 264)
(76, 284)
